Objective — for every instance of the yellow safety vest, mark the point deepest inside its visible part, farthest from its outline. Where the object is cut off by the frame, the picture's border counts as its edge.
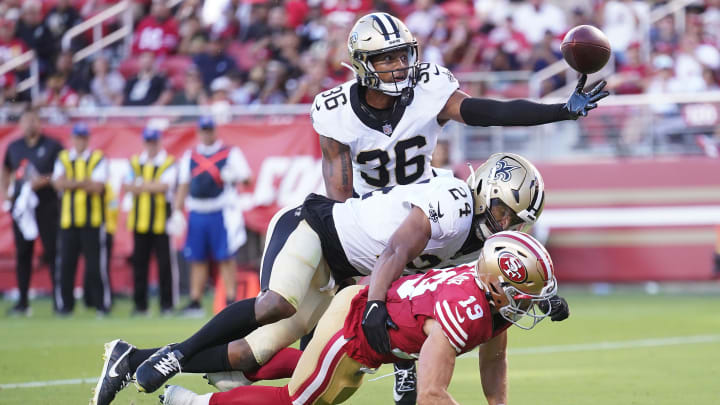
(111, 209)
(76, 204)
(149, 208)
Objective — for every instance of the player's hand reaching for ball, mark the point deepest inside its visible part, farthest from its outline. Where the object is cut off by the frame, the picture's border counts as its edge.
(581, 102)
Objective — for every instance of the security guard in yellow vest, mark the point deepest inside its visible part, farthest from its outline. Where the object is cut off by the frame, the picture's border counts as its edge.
(80, 175)
(152, 180)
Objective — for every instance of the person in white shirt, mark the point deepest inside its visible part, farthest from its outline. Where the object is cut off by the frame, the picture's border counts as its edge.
(207, 177)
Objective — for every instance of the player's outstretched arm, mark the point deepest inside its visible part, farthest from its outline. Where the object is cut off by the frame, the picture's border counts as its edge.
(336, 169)
(487, 112)
(493, 369)
(435, 367)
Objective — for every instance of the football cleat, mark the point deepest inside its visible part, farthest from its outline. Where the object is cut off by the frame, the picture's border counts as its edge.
(405, 388)
(227, 380)
(116, 373)
(177, 395)
(157, 369)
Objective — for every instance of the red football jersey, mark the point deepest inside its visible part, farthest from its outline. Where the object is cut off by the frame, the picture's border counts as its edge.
(155, 36)
(451, 297)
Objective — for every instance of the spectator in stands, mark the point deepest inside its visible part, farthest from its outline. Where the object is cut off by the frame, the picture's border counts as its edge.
(190, 32)
(207, 176)
(274, 90)
(61, 17)
(32, 30)
(688, 67)
(285, 48)
(663, 37)
(545, 54)
(76, 73)
(58, 93)
(192, 91)
(106, 86)
(245, 91)
(152, 178)
(156, 33)
(147, 87)
(30, 160)
(214, 62)
(10, 46)
(622, 23)
(313, 81)
(632, 73)
(421, 21)
(257, 24)
(536, 17)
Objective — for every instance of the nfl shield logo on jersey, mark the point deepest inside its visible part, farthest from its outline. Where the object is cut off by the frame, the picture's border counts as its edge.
(387, 129)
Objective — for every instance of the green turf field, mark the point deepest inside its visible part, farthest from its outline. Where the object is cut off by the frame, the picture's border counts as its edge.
(622, 348)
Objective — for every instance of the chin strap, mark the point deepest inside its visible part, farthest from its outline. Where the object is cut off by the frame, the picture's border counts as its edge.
(406, 96)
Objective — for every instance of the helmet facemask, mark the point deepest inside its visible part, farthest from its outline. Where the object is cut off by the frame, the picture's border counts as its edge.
(372, 78)
(376, 34)
(507, 190)
(517, 275)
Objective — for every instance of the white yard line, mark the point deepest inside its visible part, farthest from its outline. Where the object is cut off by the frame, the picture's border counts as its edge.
(585, 347)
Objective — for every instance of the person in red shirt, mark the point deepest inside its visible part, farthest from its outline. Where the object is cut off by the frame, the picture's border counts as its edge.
(58, 93)
(156, 33)
(435, 317)
(10, 46)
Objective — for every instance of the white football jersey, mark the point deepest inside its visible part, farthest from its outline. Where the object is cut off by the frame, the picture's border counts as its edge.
(392, 152)
(364, 225)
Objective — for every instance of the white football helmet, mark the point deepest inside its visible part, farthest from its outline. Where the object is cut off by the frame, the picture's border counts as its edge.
(516, 273)
(506, 180)
(375, 34)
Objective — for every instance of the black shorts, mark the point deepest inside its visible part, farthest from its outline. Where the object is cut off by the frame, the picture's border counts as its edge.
(317, 212)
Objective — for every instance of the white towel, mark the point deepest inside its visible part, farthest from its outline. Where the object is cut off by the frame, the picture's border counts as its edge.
(235, 226)
(24, 212)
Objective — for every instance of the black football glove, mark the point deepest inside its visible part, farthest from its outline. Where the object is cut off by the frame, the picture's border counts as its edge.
(581, 102)
(558, 308)
(375, 323)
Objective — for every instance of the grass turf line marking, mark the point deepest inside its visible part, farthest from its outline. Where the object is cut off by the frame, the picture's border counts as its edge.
(627, 344)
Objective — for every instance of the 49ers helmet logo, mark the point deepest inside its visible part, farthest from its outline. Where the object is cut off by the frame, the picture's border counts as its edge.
(512, 267)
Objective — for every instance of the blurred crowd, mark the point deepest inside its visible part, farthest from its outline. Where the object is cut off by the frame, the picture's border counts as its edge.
(239, 52)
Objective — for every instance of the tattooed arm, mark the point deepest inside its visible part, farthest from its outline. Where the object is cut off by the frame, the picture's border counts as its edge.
(336, 168)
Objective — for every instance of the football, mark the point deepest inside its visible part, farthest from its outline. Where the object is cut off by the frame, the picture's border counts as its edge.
(586, 49)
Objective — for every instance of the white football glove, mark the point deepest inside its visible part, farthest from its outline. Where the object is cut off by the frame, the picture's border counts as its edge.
(176, 224)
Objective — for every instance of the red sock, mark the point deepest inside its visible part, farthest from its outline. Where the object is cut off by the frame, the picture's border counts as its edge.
(252, 395)
(281, 365)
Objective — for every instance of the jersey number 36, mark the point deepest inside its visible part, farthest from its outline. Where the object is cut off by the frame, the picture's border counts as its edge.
(407, 171)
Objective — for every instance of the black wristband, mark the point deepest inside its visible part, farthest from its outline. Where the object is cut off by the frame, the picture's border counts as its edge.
(486, 112)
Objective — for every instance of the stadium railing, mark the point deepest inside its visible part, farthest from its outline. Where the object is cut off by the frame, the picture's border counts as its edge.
(123, 9)
(32, 82)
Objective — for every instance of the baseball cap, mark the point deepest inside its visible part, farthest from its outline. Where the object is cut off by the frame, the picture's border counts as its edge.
(206, 122)
(80, 129)
(151, 134)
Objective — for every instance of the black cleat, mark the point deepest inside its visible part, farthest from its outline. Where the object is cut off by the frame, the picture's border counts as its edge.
(116, 373)
(157, 369)
(405, 389)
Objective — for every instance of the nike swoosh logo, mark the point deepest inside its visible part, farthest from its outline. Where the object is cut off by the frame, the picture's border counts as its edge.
(317, 106)
(438, 211)
(113, 373)
(373, 306)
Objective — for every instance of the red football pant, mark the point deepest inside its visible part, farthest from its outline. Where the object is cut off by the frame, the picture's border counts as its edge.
(252, 395)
